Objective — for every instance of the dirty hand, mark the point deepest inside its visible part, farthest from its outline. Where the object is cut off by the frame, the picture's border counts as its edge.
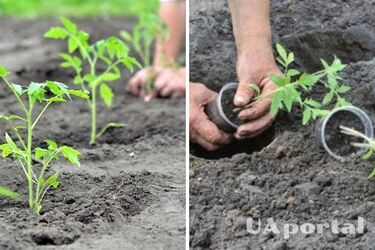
(255, 64)
(168, 83)
(202, 130)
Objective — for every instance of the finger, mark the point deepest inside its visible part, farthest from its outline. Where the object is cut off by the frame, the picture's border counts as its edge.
(136, 82)
(205, 144)
(161, 81)
(243, 95)
(207, 130)
(258, 109)
(167, 90)
(253, 127)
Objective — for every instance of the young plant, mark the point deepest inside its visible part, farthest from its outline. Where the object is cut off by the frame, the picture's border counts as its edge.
(149, 28)
(22, 126)
(368, 143)
(292, 85)
(112, 52)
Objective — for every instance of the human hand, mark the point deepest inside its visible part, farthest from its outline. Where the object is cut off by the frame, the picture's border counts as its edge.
(202, 130)
(168, 82)
(255, 65)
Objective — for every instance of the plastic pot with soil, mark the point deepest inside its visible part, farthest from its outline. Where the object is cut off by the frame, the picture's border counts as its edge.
(340, 145)
(220, 110)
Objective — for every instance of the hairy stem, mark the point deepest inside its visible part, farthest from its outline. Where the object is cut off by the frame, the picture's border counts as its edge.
(40, 115)
(23, 106)
(93, 115)
(29, 159)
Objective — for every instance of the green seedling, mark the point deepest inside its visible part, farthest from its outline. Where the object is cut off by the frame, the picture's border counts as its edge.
(291, 86)
(111, 52)
(19, 145)
(368, 143)
(149, 28)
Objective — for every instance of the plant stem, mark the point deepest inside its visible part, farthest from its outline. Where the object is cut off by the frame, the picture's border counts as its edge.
(40, 115)
(16, 95)
(262, 97)
(29, 159)
(93, 115)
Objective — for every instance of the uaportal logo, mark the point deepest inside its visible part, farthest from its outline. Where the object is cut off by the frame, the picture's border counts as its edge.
(288, 229)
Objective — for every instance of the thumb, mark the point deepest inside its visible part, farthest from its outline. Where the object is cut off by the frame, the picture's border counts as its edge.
(244, 94)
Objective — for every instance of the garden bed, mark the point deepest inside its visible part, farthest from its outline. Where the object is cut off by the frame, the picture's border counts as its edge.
(129, 193)
(287, 175)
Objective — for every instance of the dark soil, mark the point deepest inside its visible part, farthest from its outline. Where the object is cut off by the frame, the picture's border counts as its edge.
(340, 143)
(228, 106)
(292, 178)
(129, 193)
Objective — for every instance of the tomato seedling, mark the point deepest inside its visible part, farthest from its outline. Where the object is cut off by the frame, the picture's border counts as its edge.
(292, 84)
(149, 28)
(112, 52)
(368, 143)
(21, 147)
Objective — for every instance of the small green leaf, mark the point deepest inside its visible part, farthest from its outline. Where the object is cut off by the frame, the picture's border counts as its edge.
(306, 116)
(110, 77)
(10, 141)
(279, 80)
(56, 33)
(53, 180)
(292, 72)
(328, 98)
(312, 103)
(3, 72)
(72, 45)
(290, 58)
(33, 87)
(69, 25)
(343, 89)
(7, 193)
(372, 174)
(308, 80)
(70, 154)
(106, 94)
(276, 103)
(80, 93)
(51, 145)
(40, 153)
(6, 150)
(282, 53)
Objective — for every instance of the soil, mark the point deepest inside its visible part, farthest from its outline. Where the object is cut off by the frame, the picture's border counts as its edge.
(129, 193)
(291, 178)
(228, 106)
(340, 143)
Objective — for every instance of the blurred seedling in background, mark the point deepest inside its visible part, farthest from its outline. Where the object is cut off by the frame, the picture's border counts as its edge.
(368, 143)
(146, 31)
(112, 51)
(19, 145)
(291, 86)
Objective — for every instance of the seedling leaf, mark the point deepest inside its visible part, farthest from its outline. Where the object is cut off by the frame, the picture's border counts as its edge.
(69, 25)
(70, 154)
(7, 193)
(106, 94)
(56, 33)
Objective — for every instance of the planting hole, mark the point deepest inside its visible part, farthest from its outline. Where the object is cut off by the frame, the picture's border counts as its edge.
(245, 146)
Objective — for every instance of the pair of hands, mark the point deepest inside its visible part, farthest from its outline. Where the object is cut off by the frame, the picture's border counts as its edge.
(168, 82)
(254, 65)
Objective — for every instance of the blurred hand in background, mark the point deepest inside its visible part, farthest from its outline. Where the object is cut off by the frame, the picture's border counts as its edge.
(169, 81)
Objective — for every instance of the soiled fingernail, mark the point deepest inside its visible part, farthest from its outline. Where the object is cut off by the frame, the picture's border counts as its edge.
(239, 100)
